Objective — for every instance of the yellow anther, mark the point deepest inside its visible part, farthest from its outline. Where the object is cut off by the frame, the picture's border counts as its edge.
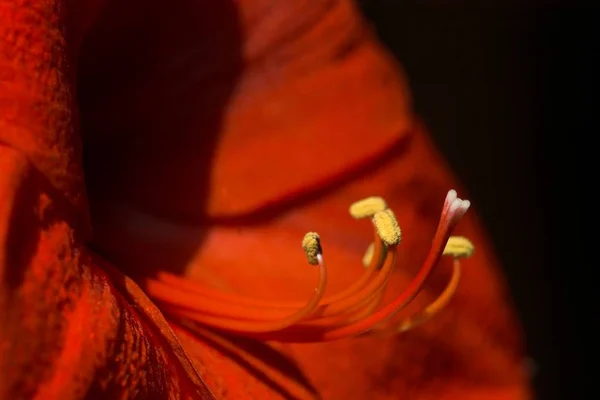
(459, 247)
(311, 243)
(366, 208)
(366, 260)
(387, 227)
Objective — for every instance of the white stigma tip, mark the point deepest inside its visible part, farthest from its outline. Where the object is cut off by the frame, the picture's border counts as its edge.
(454, 206)
(451, 196)
(465, 205)
(462, 209)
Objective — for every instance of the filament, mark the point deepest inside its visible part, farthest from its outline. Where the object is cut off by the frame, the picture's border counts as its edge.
(353, 311)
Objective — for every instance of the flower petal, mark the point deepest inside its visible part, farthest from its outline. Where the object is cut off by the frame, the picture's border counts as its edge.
(471, 350)
(300, 98)
(66, 329)
(34, 70)
(198, 88)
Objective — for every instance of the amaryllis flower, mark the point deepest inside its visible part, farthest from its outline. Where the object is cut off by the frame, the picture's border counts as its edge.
(161, 164)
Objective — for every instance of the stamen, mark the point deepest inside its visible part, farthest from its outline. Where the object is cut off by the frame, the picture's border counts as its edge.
(370, 253)
(389, 234)
(366, 208)
(219, 314)
(313, 249)
(345, 305)
(450, 216)
(311, 243)
(366, 260)
(438, 305)
(376, 263)
(322, 318)
(387, 227)
(176, 290)
(459, 247)
(456, 247)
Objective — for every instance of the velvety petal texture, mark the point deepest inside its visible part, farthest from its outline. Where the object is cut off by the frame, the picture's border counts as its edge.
(214, 135)
(70, 325)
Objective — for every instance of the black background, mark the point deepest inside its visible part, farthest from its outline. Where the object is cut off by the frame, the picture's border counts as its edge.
(506, 91)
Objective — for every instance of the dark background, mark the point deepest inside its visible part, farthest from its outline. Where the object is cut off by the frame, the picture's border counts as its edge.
(505, 90)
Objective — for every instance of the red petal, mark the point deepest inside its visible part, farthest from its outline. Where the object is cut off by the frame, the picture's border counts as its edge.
(294, 92)
(473, 349)
(167, 90)
(65, 328)
(34, 70)
(305, 112)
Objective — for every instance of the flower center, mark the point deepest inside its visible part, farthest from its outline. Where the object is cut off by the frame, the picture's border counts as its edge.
(354, 311)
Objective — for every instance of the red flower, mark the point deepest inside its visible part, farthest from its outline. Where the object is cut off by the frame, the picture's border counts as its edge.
(214, 136)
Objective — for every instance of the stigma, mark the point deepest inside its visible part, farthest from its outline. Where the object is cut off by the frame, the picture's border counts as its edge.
(356, 310)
